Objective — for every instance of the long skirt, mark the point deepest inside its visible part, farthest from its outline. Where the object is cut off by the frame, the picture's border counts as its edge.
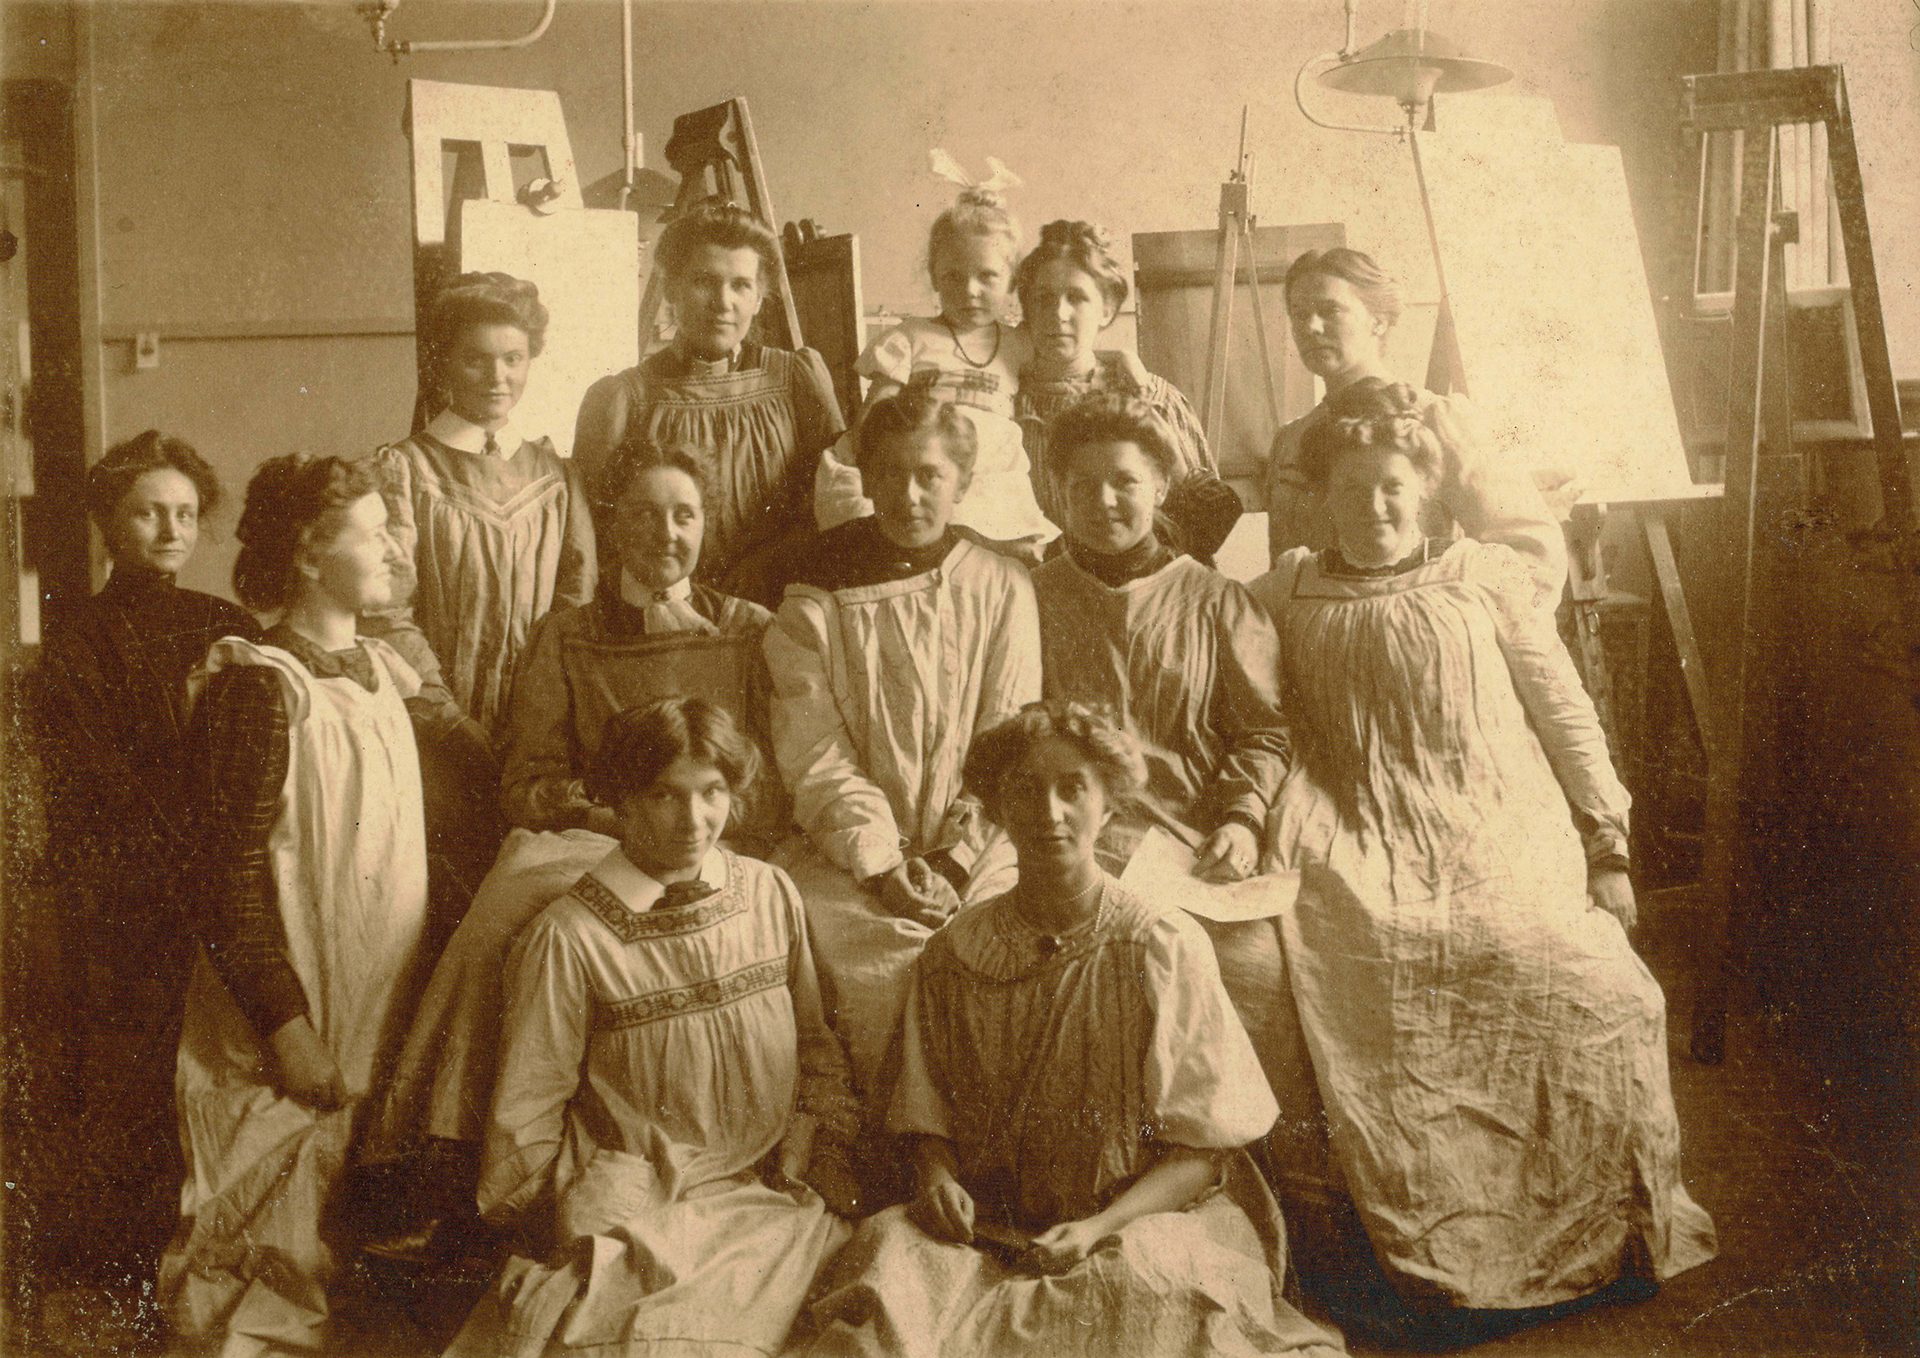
(1201, 1282)
(720, 1271)
(443, 1083)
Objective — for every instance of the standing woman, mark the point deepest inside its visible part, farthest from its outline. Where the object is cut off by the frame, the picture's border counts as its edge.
(112, 696)
(494, 524)
(1071, 287)
(899, 641)
(763, 415)
(312, 902)
(1341, 305)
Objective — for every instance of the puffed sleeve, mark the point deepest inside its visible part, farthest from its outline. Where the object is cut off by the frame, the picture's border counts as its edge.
(839, 492)
(579, 568)
(1246, 711)
(918, 1106)
(543, 1042)
(1176, 412)
(1295, 515)
(1204, 1085)
(889, 358)
(843, 811)
(1494, 498)
(539, 786)
(609, 406)
(826, 1088)
(1558, 707)
(1009, 680)
(1273, 589)
(817, 426)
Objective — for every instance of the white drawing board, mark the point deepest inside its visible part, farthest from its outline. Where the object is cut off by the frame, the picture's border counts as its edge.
(1556, 326)
(586, 263)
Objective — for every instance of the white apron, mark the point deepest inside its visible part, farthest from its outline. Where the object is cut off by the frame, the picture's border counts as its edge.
(348, 858)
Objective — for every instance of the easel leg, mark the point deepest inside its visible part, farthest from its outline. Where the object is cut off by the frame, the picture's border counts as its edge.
(1757, 278)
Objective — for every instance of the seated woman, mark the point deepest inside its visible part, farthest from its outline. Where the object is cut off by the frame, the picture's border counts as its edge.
(1077, 1093)
(670, 1096)
(310, 912)
(1071, 287)
(766, 414)
(900, 641)
(1491, 1053)
(1182, 655)
(110, 695)
(651, 632)
(1341, 305)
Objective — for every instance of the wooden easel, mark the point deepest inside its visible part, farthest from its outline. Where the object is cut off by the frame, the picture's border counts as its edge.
(1236, 229)
(1761, 464)
(484, 125)
(714, 151)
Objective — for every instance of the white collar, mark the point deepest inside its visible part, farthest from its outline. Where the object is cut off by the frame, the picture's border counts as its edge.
(456, 431)
(641, 596)
(640, 891)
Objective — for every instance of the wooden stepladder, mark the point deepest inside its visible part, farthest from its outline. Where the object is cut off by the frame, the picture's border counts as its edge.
(715, 154)
(1762, 468)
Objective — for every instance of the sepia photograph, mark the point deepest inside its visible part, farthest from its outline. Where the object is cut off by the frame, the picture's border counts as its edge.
(960, 678)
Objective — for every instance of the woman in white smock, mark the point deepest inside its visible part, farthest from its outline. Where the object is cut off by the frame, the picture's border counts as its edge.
(312, 904)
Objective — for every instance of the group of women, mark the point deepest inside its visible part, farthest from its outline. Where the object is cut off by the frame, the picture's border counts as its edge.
(799, 1001)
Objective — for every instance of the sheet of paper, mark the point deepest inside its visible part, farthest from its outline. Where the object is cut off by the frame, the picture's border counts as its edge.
(1162, 870)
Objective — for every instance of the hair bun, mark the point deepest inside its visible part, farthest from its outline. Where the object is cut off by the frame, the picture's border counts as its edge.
(991, 199)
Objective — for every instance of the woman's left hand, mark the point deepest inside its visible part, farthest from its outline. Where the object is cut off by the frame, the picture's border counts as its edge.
(1058, 1249)
(1612, 891)
(1230, 854)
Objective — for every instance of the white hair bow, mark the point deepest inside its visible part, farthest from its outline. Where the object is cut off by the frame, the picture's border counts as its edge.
(998, 175)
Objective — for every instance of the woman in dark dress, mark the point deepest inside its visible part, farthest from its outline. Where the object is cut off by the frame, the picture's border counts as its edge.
(111, 698)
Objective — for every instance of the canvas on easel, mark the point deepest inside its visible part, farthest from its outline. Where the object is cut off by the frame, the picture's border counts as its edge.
(1175, 274)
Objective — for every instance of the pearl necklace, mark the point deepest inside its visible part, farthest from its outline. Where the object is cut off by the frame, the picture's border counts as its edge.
(1050, 944)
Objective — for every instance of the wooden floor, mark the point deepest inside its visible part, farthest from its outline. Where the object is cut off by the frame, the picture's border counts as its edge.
(1801, 1146)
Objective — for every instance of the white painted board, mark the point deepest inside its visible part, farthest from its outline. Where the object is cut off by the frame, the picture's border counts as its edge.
(1554, 316)
(586, 263)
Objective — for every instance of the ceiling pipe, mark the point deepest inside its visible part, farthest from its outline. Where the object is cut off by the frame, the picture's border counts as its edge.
(378, 12)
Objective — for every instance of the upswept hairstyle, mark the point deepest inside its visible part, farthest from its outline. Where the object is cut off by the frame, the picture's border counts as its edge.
(113, 476)
(482, 299)
(976, 212)
(1370, 413)
(1377, 288)
(1086, 247)
(715, 222)
(639, 454)
(916, 411)
(641, 743)
(1110, 417)
(290, 502)
(999, 749)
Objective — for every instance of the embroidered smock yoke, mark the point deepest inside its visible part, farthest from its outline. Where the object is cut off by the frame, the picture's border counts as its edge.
(654, 1054)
